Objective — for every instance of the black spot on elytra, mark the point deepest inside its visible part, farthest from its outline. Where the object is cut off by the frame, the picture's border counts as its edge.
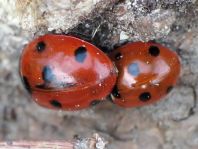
(154, 51)
(95, 102)
(56, 103)
(80, 54)
(47, 74)
(26, 84)
(118, 56)
(169, 89)
(115, 92)
(40, 47)
(146, 96)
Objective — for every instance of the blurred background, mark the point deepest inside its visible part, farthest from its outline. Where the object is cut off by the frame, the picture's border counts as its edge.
(171, 123)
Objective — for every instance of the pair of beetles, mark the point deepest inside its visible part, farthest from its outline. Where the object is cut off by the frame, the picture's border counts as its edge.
(66, 73)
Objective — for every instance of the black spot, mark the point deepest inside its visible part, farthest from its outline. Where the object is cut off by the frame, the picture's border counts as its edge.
(154, 51)
(169, 89)
(95, 102)
(47, 74)
(40, 47)
(115, 92)
(26, 84)
(56, 104)
(118, 56)
(80, 54)
(146, 96)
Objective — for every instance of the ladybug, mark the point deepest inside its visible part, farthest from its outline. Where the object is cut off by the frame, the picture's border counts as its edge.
(146, 73)
(67, 73)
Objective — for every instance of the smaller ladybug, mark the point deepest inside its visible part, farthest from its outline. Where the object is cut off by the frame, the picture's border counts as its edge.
(67, 73)
(146, 73)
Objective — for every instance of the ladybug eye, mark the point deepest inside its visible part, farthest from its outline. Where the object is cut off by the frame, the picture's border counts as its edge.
(56, 104)
(146, 96)
(154, 51)
(40, 47)
(80, 54)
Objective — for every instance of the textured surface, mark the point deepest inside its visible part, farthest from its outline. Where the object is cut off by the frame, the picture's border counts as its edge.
(169, 124)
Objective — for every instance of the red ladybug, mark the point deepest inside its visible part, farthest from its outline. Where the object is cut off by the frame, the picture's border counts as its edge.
(147, 72)
(65, 72)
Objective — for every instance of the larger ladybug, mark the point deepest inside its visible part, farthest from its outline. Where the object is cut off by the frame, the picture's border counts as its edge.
(147, 72)
(64, 72)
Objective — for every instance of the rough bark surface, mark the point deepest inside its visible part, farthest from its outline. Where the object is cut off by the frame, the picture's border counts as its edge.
(169, 124)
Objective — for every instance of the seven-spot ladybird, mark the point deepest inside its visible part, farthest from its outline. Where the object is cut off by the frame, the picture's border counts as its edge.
(67, 73)
(146, 73)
